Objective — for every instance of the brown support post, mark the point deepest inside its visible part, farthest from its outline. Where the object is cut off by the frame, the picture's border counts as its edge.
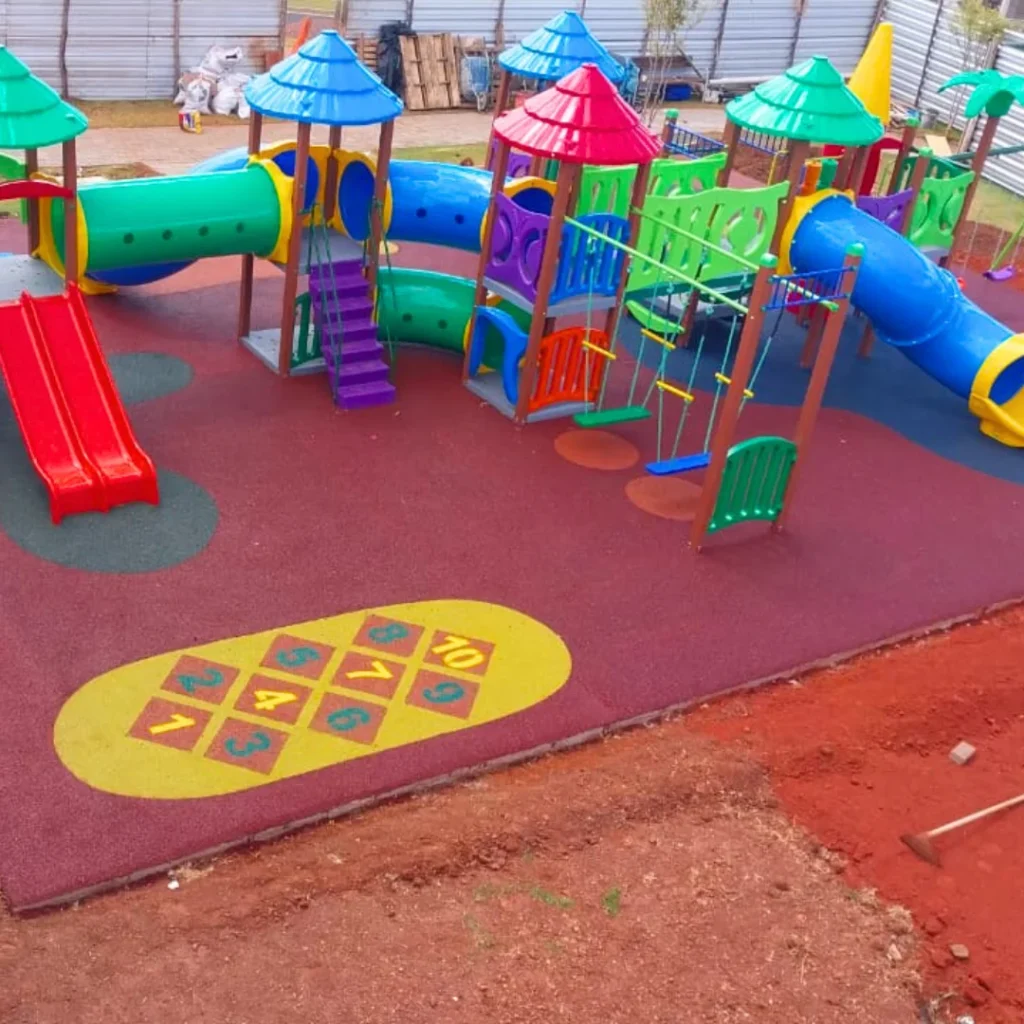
(249, 261)
(907, 140)
(380, 191)
(500, 105)
(636, 205)
(798, 154)
(31, 168)
(689, 319)
(978, 166)
(731, 139)
(291, 270)
(70, 213)
(842, 177)
(729, 416)
(671, 120)
(815, 330)
(331, 177)
(860, 164)
(480, 292)
(924, 158)
(867, 341)
(819, 377)
(568, 174)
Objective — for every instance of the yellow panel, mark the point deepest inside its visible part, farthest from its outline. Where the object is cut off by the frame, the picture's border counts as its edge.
(1003, 423)
(241, 713)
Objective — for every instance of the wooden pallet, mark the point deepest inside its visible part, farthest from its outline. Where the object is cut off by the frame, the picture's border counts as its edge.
(431, 72)
(366, 51)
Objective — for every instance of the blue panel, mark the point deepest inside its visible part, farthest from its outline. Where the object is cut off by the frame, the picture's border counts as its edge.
(286, 162)
(129, 276)
(355, 196)
(913, 304)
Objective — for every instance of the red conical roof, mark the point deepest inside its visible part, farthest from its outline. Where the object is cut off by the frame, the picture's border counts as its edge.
(580, 120)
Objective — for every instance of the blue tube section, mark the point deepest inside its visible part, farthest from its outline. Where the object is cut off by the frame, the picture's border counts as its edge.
(913, 304)
(440, 204)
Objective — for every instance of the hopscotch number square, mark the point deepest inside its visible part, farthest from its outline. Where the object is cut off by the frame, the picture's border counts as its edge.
(369, 674)
(298, 657)
(204, 680)
(459, 653)
(348, 718)
(389, 636)
(277, 699)
(254, 747)
(170, 724)
(446, 696)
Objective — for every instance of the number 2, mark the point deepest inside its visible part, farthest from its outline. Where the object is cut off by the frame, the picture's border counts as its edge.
(210, 677)
(257, 742)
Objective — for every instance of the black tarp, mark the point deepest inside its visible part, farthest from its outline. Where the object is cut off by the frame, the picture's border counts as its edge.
(389, 55)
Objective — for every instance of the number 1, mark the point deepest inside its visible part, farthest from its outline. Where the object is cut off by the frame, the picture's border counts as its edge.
(177, 722)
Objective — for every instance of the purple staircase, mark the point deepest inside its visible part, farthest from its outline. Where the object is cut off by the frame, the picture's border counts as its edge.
(351, 348)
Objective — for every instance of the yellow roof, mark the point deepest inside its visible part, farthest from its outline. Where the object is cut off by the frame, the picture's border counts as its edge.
(871, 81)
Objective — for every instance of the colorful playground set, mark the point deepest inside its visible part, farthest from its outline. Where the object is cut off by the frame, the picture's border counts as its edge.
(629, 289)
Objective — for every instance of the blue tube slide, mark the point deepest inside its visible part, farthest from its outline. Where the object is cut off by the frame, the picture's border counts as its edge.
(444, 204)
(919, 308)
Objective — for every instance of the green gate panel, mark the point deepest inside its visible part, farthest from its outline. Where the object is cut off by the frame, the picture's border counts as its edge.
(754, 482)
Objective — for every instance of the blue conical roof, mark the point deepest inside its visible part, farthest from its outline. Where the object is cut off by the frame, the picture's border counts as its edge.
(559, 48)
(324, 83)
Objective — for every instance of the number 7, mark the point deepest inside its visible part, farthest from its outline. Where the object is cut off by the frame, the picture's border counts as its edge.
(379, 671)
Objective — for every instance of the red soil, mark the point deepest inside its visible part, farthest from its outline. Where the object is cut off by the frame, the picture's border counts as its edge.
(859, 755)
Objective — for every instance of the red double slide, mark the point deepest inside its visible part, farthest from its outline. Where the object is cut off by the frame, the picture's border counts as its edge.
(75, 428)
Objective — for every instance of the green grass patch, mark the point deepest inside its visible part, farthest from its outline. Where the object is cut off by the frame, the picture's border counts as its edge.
(550, 899)
(475, 151)
(611, 902)
(321, 7)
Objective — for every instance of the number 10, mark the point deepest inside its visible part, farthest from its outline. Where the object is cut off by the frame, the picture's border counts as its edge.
(456, 652)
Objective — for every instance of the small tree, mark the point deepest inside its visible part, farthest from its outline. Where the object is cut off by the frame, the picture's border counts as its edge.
(666, 21)
(980, 26)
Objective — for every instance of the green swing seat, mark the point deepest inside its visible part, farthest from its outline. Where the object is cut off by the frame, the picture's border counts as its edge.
(606, 417)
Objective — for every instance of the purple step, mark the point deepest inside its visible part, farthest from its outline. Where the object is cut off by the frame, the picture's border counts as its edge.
(363, 372)
(346, 307)
(364, 396)
(348, 333)
(362, 351)
(340, 269)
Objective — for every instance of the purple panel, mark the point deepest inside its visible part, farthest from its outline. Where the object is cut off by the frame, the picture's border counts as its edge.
(518, 248)
(890, 210)
(518, 163)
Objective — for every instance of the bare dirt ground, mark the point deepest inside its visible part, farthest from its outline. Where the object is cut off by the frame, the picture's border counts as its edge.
(741, 863)
(647, 878)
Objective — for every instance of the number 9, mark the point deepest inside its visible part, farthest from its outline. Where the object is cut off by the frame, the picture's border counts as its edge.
(444, 693)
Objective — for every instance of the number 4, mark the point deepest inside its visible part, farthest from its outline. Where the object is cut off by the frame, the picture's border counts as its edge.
(267, 700)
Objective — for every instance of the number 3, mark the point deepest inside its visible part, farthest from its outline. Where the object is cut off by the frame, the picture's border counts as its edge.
(257, 742)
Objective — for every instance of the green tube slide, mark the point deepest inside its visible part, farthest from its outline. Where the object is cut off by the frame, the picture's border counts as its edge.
(424, 307)
(148, 221)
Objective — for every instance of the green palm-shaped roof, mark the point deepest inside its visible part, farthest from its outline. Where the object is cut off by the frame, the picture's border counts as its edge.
(809, 103)
(994, 93)
(31, 113)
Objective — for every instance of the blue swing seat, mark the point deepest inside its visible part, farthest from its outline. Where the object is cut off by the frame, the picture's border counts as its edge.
(683, 464)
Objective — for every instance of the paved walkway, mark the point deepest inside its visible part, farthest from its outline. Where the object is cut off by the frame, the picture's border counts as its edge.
(170, 151)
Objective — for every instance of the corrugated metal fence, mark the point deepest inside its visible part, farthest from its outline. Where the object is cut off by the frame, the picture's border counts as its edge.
(927, 52)
(734, 40)
(126, 49)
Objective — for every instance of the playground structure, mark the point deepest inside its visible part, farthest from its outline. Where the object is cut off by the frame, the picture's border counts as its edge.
(601, 218)
(76, 431)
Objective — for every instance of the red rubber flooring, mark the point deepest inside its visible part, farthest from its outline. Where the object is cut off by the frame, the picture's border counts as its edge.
(323, 512)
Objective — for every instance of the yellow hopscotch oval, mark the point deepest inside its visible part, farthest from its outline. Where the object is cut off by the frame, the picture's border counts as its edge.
(243, 712)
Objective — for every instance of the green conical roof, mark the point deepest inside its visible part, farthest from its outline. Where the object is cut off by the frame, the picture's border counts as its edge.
(809, 103)
(31, 113)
